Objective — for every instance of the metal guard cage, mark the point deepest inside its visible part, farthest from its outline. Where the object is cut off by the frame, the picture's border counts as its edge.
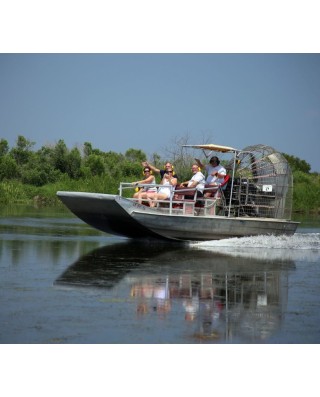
(262, 184)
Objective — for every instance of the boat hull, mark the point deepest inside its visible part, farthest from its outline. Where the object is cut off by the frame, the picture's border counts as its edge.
(119, 216)
(106, 212)
(212, 228)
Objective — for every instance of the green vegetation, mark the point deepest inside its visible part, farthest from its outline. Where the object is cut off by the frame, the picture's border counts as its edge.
(28, 176)
(306, 186)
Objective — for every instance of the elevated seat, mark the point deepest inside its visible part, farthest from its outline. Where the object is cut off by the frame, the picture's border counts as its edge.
(214, 190)
(209, 202)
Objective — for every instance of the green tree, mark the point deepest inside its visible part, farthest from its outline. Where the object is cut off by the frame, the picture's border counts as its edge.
(306, 192)
(129, 169)
(131, 165)
(4, 147)
(34, 176)
(113, 164)
(73, 167)
(135, 155)
(8, 167)
(87, 149)
(22, 151)
(95, 164)
(45, 160)
(60, 156)
(296, 164)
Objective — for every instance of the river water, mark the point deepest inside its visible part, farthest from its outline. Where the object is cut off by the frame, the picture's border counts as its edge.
(62, 282)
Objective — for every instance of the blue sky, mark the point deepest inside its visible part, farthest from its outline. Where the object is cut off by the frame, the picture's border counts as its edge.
(144, 101)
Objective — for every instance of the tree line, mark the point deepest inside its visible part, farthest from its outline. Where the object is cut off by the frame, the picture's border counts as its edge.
(53, 162)
(26, 173)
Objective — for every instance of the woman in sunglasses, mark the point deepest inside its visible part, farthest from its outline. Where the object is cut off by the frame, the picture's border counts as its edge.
(149, 179)
(169, 181)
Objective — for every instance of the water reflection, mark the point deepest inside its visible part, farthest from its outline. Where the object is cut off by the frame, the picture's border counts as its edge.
(45, 238)
(218, 297)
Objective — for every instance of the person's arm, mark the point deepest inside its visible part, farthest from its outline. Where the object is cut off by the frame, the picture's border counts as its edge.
(152, 167)
(144, 181)
(194, 183)
(199, 163)
(218, 174)
(196, 179)
(173, 181)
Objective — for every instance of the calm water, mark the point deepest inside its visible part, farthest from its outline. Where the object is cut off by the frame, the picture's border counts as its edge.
(63, 282)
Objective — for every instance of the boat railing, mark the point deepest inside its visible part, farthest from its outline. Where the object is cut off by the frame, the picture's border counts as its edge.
(167, 205)
(130, 186)
(185, 201)
(244, 198)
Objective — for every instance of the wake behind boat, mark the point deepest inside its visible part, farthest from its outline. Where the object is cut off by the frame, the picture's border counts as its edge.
(256, 199)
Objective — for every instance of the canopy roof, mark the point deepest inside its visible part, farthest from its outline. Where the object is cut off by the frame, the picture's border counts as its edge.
(213, 147)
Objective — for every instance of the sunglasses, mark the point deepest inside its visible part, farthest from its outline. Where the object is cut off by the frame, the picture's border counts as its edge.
(170, 172)
(146, 171)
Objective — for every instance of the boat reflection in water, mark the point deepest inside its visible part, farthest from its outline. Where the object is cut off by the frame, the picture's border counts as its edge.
(209, 296)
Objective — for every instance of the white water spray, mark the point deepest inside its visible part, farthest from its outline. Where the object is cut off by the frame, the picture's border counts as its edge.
(300, 246)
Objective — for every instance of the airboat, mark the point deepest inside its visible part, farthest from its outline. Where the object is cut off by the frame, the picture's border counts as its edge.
(255, 199)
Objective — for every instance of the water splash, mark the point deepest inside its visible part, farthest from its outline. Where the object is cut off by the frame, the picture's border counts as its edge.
(300, 246)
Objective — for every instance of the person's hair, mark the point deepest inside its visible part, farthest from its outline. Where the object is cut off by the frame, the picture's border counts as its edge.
(216, 159)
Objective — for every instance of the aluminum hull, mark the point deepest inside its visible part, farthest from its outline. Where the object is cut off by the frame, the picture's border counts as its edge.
(106, 212)
(200, 228)
(116, 215)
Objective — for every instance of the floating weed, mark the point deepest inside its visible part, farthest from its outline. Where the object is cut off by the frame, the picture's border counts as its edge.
(115, 300)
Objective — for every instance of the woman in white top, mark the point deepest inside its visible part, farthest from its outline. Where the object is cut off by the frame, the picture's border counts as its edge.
(165, 191)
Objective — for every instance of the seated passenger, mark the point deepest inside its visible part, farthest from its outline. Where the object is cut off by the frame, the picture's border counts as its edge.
(144, 191)
(164, 192)
(215, 173)
(197, 181)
